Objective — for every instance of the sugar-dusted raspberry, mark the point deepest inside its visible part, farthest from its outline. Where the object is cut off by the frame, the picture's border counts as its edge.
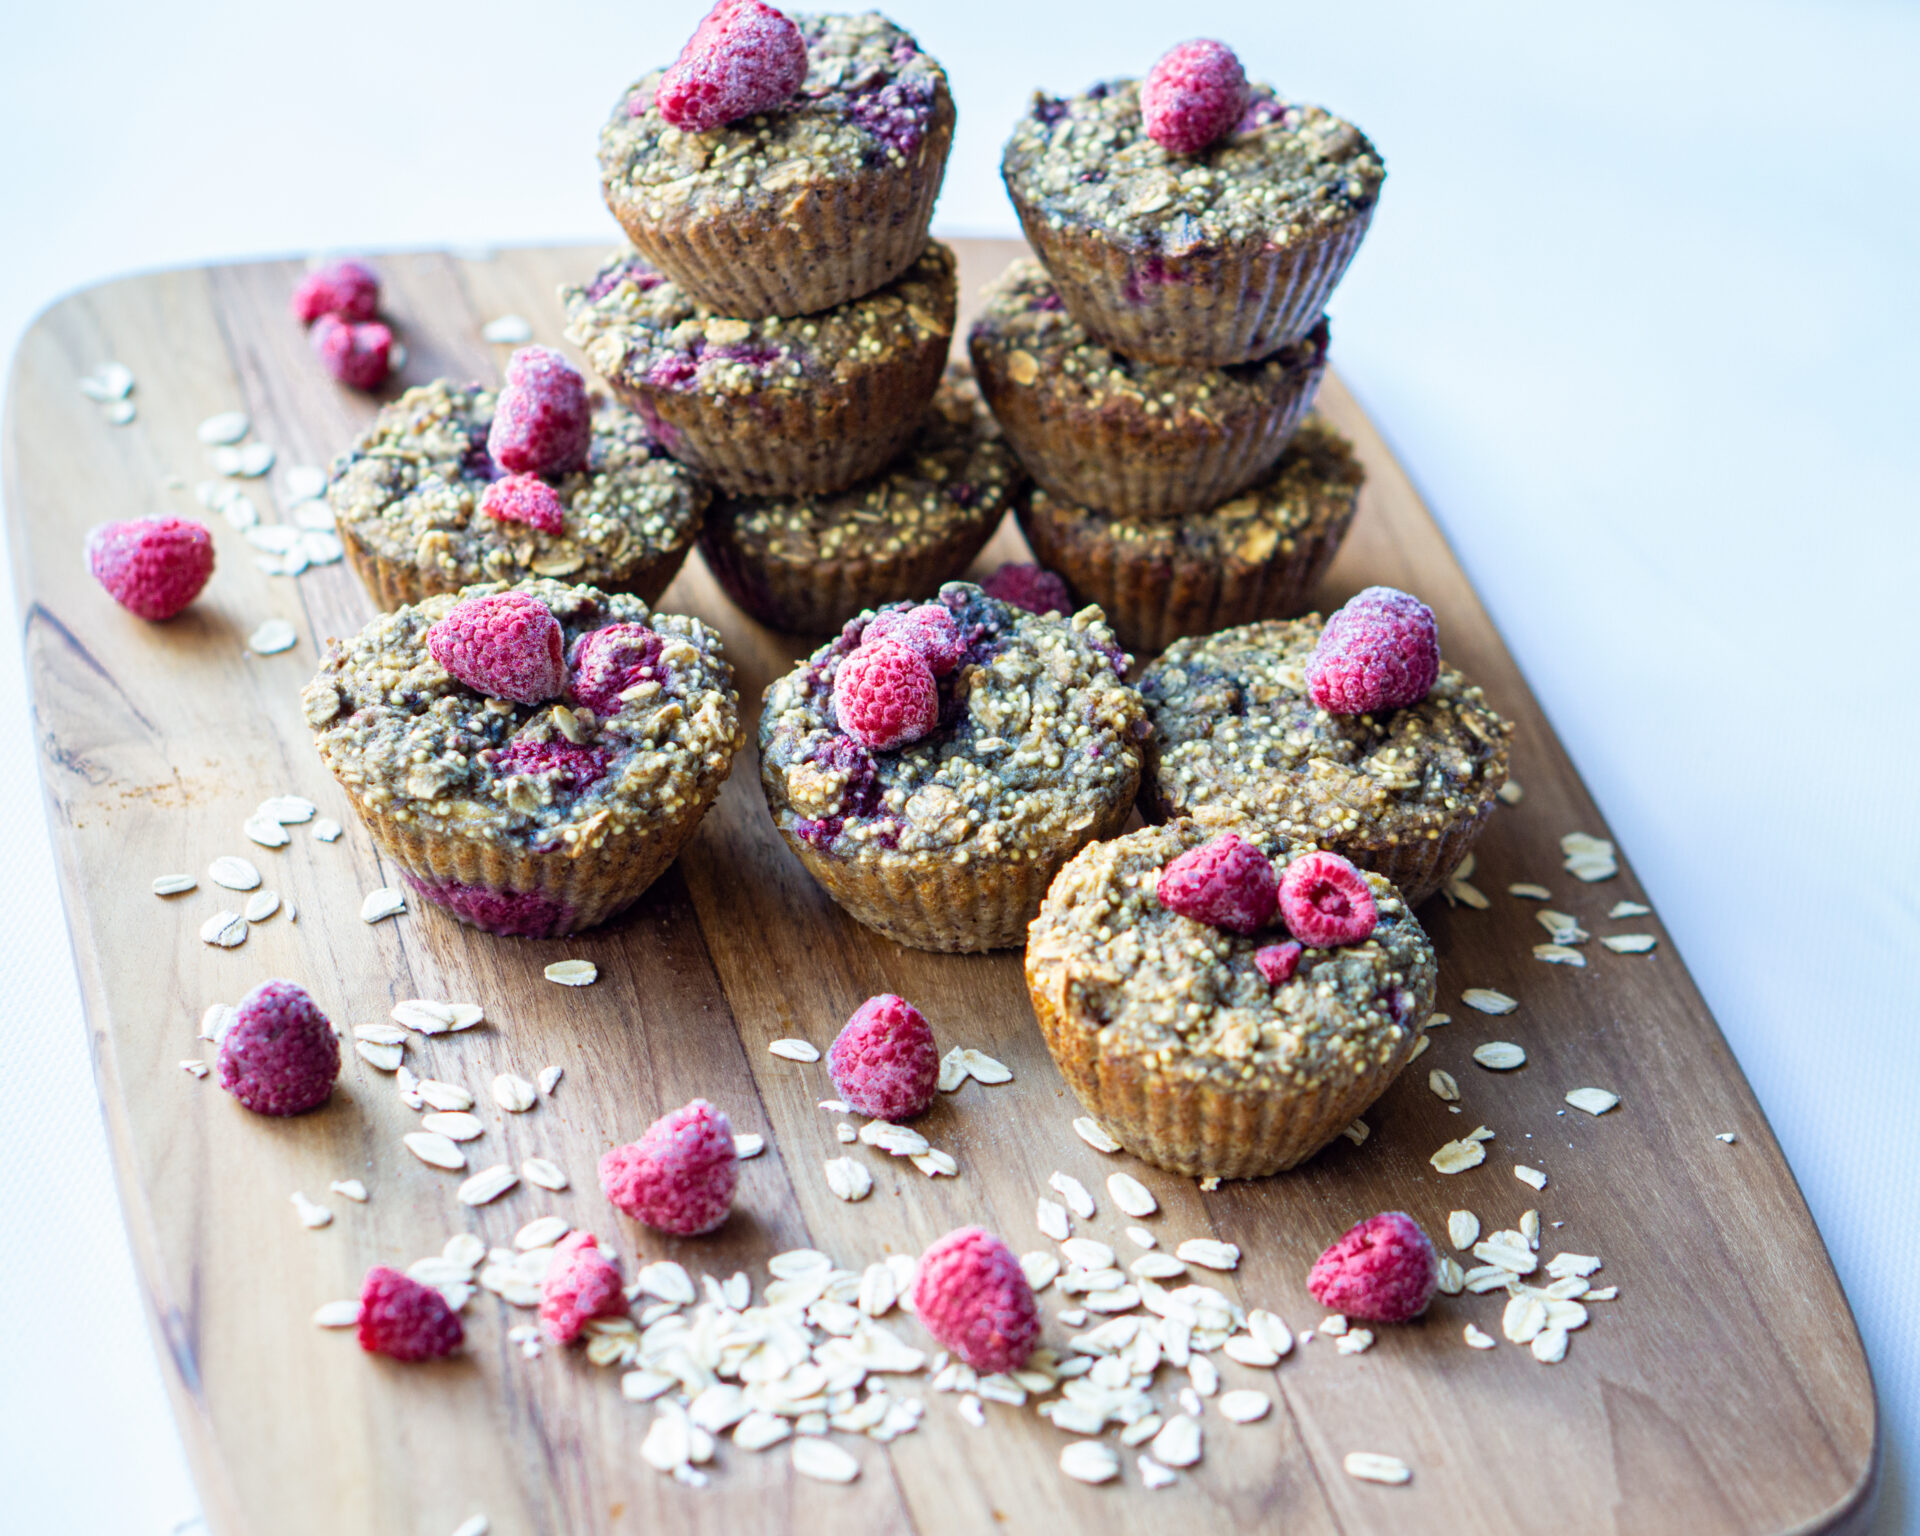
(1383, 1270)
(883, 1062)
(581, 1284)
(678, 1177)
(571, 767)
(359, 353)
(1381, 651)
(1029, 586)
(1325, 901)
(348, 289)
(1193, 95)
(508, 645)
(971, 1295)
(1227, 883)
(153, 566)
(405, 1319)
(743, 58)
(525, 499)
(280, 1055)
(928, 629)
(1277, 962)
(885, 696)
(542, 422)
(610, 660)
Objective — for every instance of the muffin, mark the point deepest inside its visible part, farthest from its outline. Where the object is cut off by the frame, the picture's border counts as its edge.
(531, 819)
(804, 206)
(1138, 440)
(771, 407)
(406, 499)
(949, 841)
(1205, 259)
(808, 564)
(1257, 556)
(1402, 792)
(1172, 1035)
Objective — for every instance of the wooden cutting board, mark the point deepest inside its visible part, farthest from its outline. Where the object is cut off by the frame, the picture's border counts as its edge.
(1725, 1391)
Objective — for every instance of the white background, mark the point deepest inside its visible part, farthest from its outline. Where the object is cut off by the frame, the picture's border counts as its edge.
(1638, 311)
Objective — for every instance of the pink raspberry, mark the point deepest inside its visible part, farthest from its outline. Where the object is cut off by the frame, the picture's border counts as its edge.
(581, 1284)
(507, 645)
(405, 1319)
(348, 289)
(883, 1061)
(1383, 1270)
(1029, 586)
(542, 422)
(358, 354)
(970, 1294)
(1381, 651)
(678, 1177)
(743, 58)
(1193, 95)
(572, 767)
(280, 1055)
(610, 660)
(1326, 902)
(928, 629)
(1277, 962)
(1227, 883)
(884, 696)
(153, 566)
(525, 499)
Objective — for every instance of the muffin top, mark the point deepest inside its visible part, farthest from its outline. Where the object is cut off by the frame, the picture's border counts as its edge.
(870, 99)
(1187, 997)
(1236, 733)
(410, 740)
(641, 329)
(1038, 736)
(1284, 174)
(410, 488)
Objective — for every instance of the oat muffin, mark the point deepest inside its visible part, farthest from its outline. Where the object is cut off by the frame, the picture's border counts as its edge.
(406, 501)
(770, 407)
(1138, 440)
(949, 842)
(1175, 1041)
(809, 564)
(1257, 556)
(534, 820)
(800, 208)
(1209, 259)
(1402, 793)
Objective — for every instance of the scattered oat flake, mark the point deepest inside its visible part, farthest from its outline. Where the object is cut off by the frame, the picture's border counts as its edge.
(1051, 1218)
(312, 1215)
(953, 1069)
(227, 427)
(109, 382)
(1439, 1020)
(1209, 1253)
(1463, 1228)
(1499, 1055)
(1478, 1340)
(1564, 928)
(1727, 1136)
(573, 973)
(982, 1068)
(1595, 1101)
(438, 1095)
(1558, 954)
(1527, 891)
(1094, 1134)
(1488, 1001)
(541, 1232)
(174, 885)
(749, 1144)
(823, 1460)
(216, 1021)
(1622, 909)
(513, 1093)
(234, 874)
(1549, 1346)
(1074, 1193)
(1453, 1279)
(474, 1525)
(1089, 1461)
(848, 1178)
(1155, 1476)
(1528, 1175)
(224, 930)
(1419, 1049)
(454, 1124)
(435, 1150)
(1372, 1467)
(1458, 1157)
(327, 829)
(1040, 1267)
(1355, 1341)
(795, 1050)
(935, 1164)
(260, 906)
(273, 637)
(487, 1185)
(549, 1078)
(1443, 1085)
(507, 331)
(1357, 1133)
(349, 1189)
(1511, 793)
(1133, 1197)
(337, 1314)
(194, 1068)
(1630, 943)
(383, 903)
(1479, 1133)
(1588, 858)
(545, 1174)
(382, 1057)
(268, 834)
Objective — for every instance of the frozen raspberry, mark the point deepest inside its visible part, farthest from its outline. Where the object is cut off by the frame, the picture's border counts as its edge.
(542, 422)
(883, 1062)
(508, 645)
(744, 58)
(1029, 586)
(525, 499)
(609, 661)
(884, 696)
(1326, 902)
(153, 566)
(1381, 651)
(928, 629)
(571, 767)
(581, 1284)
(970, 1294)
(405, 1319)
(1277, 962)
(357, 353)
(279, 1056)
(348, 289)
(1192, 96)
(1227, 883)
(1383, 1270)
(678, 1177)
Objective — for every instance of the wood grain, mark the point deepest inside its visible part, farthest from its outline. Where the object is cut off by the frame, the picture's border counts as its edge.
(1725, 1392)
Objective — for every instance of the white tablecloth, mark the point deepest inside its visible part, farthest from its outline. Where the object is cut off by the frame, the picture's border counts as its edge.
(1638, 311)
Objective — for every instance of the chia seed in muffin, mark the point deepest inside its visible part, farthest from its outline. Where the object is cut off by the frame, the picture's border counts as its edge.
(802, 207)
(949, 842)
(771, 407)
(406, 500)
(1402, 793)
(1138, 440)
